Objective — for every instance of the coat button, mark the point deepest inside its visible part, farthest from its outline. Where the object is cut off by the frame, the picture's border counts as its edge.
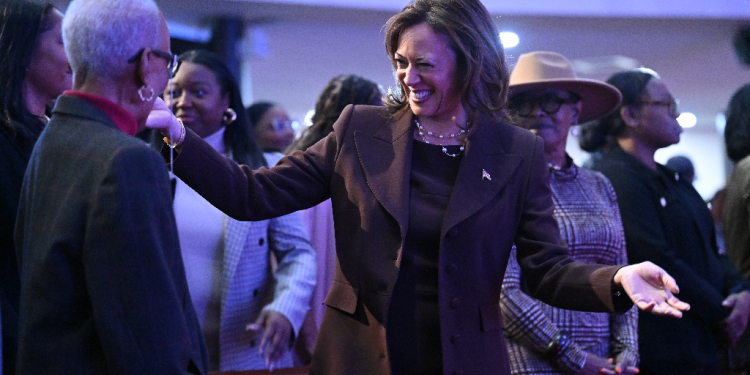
(261, 241)
(455, 339)
(451, 268)
(454, 303)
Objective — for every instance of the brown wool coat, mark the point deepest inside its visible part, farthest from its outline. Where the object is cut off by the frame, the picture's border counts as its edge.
(364, 167)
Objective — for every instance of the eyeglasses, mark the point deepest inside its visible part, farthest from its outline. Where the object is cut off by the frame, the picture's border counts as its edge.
(550, 104)
(672, 105)
(173, 62)
(281, 125)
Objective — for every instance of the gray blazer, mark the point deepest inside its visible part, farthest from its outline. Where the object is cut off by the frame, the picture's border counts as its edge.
(103, 285)
(250, 285)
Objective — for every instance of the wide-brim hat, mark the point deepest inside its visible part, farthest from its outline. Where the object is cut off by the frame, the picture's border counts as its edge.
(542, 70)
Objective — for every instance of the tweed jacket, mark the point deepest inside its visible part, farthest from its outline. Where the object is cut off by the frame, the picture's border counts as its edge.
(103, 285)
(250, 285)
(589, 218)
(501, 195)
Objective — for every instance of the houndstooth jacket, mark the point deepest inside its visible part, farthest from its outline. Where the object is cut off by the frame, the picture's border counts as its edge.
(250, 284)
(589, 218)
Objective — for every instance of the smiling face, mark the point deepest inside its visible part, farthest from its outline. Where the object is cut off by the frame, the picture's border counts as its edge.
(552, 127)
(48, 74)
(657, 128)
(197, 98)
(426, 69)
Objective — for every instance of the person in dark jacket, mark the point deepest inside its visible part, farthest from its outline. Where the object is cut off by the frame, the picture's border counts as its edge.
(103, 287)
(666, 222)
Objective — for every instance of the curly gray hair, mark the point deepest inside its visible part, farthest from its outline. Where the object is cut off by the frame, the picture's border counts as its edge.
(101, 35)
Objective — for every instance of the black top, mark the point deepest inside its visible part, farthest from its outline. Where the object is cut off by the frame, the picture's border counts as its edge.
(666, 222)
(413, 333)
(16, 142)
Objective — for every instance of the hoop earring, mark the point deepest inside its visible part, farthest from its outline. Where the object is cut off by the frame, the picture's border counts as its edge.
(229, 116)
(140, 94)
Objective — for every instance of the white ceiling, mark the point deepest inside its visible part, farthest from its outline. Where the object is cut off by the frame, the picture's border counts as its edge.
(584, 8)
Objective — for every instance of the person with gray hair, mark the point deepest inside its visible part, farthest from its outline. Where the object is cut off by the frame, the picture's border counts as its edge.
(103, 286)
(547, 98)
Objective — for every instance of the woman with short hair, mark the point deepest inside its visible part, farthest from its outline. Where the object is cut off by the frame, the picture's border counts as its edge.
(103, 287)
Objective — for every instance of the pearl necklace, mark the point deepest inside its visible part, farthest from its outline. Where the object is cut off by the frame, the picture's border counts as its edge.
(424, 133)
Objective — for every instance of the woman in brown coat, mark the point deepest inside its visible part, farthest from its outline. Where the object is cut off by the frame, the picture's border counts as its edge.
(428, 195)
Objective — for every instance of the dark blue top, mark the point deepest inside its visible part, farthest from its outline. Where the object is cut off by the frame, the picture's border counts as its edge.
(666, 222)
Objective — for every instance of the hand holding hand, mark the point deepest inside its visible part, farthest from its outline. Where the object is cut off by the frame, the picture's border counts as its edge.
(277, 337)
(736, 322)
(651, 289)
(162, 119)
(595, 365)
(623, 366)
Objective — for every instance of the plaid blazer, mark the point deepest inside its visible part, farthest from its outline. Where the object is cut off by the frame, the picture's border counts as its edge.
(250, 285)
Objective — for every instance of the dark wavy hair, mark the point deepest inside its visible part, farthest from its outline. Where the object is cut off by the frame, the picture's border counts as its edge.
(21, 22)
(473, 37)
(737, 131)
(338, 93)
(601, 135)
(238, 135)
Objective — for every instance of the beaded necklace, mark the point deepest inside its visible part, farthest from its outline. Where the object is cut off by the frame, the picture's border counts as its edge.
(425, 133)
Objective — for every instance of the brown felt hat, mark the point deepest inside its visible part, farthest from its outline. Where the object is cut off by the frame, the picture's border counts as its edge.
(543, 70)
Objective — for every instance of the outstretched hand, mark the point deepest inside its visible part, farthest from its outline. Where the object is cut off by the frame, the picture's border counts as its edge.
(651, 289)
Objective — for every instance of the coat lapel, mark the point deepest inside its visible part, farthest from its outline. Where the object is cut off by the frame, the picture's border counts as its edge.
(485, 169)
(385, 157)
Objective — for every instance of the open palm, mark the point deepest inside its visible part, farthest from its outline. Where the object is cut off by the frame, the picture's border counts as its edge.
(651, 289)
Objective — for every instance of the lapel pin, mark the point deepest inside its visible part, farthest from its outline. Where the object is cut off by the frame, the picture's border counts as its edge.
(486, 175)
